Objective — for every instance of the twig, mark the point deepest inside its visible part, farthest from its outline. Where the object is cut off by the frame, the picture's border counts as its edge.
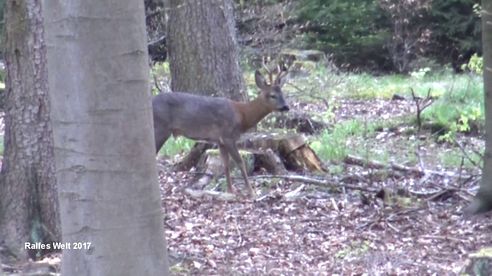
(303, 92)
(157, 41)
(467, 156)
(421, 104)
(392, 227)
(294, 193)
(446, 238)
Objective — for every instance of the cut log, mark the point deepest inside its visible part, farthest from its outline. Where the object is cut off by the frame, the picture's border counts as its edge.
(292, 148)
(192, 158)
(270, 162)
(211, 165)
(304, 158)
(274, 153)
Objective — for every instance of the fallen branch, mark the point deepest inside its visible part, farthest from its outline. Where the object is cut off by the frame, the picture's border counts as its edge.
(358, 161)
(318, 182)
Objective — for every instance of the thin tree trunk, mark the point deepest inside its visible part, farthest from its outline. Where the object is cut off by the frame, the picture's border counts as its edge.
(102, 124)
(203, 51)
(28, 196)
(483, 200)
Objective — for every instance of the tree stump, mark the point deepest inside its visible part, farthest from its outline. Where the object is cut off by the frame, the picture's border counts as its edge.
(292, 148)
(192, 158)
(274, 152)
(210, 165)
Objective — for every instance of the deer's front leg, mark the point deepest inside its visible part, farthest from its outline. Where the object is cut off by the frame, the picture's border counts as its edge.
(240, 162)
(224, 154)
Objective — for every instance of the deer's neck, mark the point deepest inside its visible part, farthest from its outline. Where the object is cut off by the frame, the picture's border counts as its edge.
(252, 112)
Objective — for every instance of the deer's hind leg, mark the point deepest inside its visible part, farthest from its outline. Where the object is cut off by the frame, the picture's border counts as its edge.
(160, 135)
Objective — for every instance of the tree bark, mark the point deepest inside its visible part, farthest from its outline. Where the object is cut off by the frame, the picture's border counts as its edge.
(103, 136)
(483, 201)
(203, 51)
(28, 195)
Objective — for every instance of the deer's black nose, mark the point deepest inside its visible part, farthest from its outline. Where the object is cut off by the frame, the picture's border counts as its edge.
(284, 108)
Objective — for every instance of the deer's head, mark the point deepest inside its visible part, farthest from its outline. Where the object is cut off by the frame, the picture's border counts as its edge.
(271, 92)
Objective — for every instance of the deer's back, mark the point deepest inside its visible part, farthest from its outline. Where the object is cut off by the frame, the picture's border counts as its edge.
(196, 117)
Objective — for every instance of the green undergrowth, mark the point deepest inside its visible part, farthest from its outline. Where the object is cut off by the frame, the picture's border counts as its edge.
(336, 143)
(377, 140)
(457, 107)
(176, 145)
(460, 109)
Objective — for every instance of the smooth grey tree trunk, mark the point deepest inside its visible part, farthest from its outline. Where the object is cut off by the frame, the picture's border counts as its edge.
(104, 147)
(483, 201)
(28, 196)
(203, 53)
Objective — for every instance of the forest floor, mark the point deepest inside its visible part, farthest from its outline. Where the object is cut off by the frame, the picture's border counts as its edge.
(380, 221)
(413, 225)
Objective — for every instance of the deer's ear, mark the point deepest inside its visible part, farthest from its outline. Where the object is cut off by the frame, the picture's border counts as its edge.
(260, 80)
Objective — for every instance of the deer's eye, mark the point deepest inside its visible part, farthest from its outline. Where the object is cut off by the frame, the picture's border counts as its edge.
(272, 96)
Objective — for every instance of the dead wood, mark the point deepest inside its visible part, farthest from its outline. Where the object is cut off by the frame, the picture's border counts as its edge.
(327, 183)
(421, 104)
(271, 152)
(358, 161)
(192, 158)
(291, 147)
(270, 161)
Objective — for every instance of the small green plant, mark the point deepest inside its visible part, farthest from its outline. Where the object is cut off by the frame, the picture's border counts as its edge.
(176, 145)
(353, 250)
(467, 118)
(333, 145)
(475, 64)
(160, 77)
(420, 74)
(460, 109)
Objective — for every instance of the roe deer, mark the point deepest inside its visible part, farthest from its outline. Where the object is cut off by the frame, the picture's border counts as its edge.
(217, 120)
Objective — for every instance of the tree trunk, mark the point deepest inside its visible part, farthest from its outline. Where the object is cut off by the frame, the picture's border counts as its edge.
(203, 51)
(28, 195)
(155, 19)
(103, 136)
(483, 200)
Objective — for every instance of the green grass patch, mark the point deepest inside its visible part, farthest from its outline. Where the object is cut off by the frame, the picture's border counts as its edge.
(461, 108)
(176, 145)
(334, 144)
(454, 158)
(365, 86)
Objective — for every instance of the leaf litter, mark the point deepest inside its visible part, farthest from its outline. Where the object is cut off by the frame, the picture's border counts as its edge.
(326, 232)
